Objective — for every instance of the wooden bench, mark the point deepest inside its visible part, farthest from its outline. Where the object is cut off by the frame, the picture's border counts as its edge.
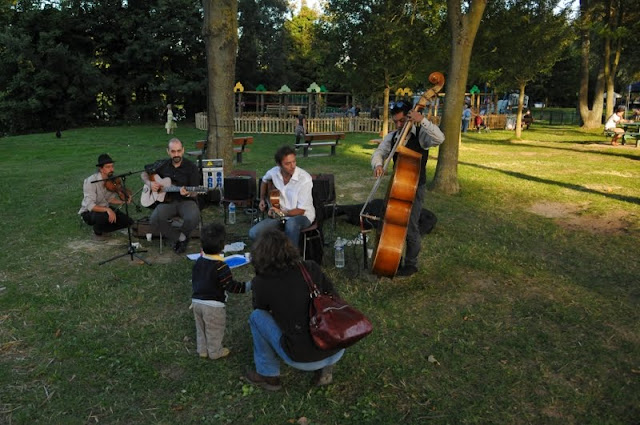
(200, 144)
(239, 147)
(280, 110)
(312, 140)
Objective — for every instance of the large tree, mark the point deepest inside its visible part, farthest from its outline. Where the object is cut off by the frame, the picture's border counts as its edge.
(383, 45)
(47, 81)
(464, 19)
(518, 57)
(306, 53)
(261, 57)
(221, 37)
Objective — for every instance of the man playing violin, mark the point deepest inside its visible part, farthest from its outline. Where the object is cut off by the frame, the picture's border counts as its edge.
(183, 173)
(99, 195)
(423, 135)
(295, 200)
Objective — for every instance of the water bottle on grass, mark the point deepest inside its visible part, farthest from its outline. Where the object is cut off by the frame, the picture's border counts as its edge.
(339, 255)
(232, 213)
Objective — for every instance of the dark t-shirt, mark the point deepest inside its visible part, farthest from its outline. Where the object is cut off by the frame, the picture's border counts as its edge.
(187, 174)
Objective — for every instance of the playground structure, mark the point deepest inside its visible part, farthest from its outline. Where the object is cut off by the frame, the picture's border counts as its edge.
(276, 112)
(316, 101)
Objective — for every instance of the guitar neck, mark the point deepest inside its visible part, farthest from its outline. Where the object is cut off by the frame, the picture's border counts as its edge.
(188, 188)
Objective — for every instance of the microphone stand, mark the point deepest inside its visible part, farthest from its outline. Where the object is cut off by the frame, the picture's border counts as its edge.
(131, 250)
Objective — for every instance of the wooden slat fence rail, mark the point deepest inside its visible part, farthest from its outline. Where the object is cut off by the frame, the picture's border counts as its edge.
(274, 125)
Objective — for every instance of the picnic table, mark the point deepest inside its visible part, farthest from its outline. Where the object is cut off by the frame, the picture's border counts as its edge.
(631, 130)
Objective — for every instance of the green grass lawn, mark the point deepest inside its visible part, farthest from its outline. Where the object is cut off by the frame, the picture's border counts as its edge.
(525, 309)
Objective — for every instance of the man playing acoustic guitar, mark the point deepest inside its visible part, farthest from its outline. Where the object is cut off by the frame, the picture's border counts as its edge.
(182, 173)
(295, 201)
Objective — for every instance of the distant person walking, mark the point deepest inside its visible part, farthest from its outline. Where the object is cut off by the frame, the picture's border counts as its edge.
(466, 118)
(527, 119)
(301, 126)
(171, 122)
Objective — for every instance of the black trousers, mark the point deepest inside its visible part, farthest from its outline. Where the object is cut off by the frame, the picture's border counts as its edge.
(100, 221)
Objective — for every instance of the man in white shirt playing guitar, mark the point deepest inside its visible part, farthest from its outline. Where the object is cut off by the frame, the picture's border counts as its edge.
(182, 173)
(295, 200)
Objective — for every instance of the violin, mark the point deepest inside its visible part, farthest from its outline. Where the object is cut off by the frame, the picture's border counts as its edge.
(116, 186)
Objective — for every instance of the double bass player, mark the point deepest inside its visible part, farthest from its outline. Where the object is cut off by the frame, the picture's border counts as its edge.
(422, 136)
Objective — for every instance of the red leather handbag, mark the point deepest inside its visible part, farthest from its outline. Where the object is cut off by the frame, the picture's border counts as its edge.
(333, 322)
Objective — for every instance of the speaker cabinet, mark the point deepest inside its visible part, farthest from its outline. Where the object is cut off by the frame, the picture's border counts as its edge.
(239, 187)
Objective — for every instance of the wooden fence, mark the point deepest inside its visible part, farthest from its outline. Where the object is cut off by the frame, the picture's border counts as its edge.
(274, 125)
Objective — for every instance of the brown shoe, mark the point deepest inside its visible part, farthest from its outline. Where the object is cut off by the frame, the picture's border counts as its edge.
(323, 376)
(270, 383)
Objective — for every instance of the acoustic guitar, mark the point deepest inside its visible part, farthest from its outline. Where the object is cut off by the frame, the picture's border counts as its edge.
(274, 202)
(149, 197)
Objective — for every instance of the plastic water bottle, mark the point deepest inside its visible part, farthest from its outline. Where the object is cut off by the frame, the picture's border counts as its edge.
(232, 213)
(209, 181)
(339, 256)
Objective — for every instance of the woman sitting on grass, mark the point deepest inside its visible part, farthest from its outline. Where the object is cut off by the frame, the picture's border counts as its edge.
(280, 322)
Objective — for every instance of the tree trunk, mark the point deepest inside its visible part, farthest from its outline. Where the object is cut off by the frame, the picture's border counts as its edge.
(385, 109)
(519, 114)
(614, 18)
(591, 117)
(608, 78)
(221, 37)
(463, 33)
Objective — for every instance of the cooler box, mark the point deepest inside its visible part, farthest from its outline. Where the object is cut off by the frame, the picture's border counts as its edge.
(213, 173)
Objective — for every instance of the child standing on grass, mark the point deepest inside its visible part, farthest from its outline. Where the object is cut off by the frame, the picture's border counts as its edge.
(210, 279)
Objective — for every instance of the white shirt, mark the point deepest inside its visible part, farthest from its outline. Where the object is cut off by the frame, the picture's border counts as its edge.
(296, 193)
(612, 122)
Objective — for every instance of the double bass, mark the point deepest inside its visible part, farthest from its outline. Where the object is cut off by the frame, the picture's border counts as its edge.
(400, 194)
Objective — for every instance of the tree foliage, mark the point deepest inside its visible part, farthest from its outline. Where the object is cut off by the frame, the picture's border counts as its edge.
(261, 57)
(76, 62)
(516, 58)
(381, 45)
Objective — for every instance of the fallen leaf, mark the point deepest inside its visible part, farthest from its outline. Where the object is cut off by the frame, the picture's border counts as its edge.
(303, 421)
(432, 359)
(58, 333)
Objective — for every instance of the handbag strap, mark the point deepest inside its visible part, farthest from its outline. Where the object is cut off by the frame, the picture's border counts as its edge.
(313, 289)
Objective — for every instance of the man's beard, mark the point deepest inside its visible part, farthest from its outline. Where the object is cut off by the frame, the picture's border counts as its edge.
(176, 159)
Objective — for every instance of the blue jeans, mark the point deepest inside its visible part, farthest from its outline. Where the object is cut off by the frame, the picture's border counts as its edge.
(292, 227)
(465, 124)
(266, 347)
